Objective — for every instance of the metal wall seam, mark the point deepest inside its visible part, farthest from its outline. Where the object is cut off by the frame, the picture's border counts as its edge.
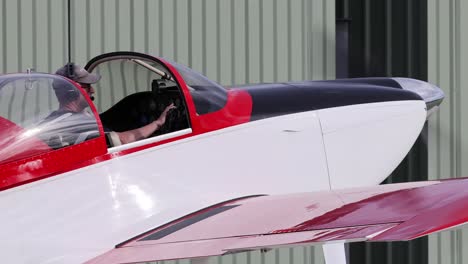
(388, 36)
(3, 37)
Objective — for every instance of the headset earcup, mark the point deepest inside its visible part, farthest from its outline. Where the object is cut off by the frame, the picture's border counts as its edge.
(75, 93)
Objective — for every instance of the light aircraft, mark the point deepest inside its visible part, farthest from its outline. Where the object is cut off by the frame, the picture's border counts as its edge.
(245, 168)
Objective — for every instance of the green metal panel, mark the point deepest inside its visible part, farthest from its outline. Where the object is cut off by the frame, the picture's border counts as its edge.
(32, 35)
(233, 42)
(448, 144)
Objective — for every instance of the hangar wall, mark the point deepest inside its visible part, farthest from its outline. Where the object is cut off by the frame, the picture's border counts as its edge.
(448, 128)
(232, 42)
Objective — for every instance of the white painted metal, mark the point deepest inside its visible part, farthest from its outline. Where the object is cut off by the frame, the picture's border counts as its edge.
(364, 143)
(99, 206)
(150, 140)
(334, 253)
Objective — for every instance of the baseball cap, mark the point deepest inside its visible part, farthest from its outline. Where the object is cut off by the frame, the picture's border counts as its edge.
(78, 74)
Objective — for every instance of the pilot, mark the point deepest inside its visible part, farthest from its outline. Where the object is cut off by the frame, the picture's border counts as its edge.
(70, 124)
(113, 138)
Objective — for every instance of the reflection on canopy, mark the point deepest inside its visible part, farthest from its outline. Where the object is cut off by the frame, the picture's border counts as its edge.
(26, 100)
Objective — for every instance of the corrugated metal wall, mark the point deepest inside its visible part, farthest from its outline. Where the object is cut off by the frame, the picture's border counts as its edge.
(231, 41)
(387, 38)
(448, 129)
(33, 35)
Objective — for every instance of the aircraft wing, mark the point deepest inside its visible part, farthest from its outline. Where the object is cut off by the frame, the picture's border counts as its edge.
(380, 213)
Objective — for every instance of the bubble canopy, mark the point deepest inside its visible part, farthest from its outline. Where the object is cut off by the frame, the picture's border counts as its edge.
(35, 115)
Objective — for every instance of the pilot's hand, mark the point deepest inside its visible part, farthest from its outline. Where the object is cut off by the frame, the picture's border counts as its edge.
(162, 118)
(170, 107)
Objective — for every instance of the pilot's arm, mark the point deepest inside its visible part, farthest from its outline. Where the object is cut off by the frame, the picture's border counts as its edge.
(142, 132)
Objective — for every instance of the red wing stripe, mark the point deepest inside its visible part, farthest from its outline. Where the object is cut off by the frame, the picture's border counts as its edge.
(450, 211)
(379, 213)
(309, 237)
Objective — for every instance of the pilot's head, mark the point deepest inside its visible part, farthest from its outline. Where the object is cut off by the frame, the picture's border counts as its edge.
(80, 75)
(68, 96)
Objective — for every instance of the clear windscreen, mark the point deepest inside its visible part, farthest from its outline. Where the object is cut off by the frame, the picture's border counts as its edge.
(208, 96)
(36, 115)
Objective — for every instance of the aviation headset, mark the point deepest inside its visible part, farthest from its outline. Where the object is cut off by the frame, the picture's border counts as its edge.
(71, 94)
(64, 90)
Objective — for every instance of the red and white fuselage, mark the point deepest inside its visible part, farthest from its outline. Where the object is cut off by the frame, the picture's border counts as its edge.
(80, 212)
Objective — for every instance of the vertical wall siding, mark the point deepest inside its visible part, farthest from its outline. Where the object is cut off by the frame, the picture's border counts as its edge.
(448, 128)
(387, 38)
(33, 35)
(232, 42)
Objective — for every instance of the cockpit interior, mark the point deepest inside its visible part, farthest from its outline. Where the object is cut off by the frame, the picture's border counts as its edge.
(133, 93)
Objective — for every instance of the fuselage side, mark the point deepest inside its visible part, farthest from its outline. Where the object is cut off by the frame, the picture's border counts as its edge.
(96, 207)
